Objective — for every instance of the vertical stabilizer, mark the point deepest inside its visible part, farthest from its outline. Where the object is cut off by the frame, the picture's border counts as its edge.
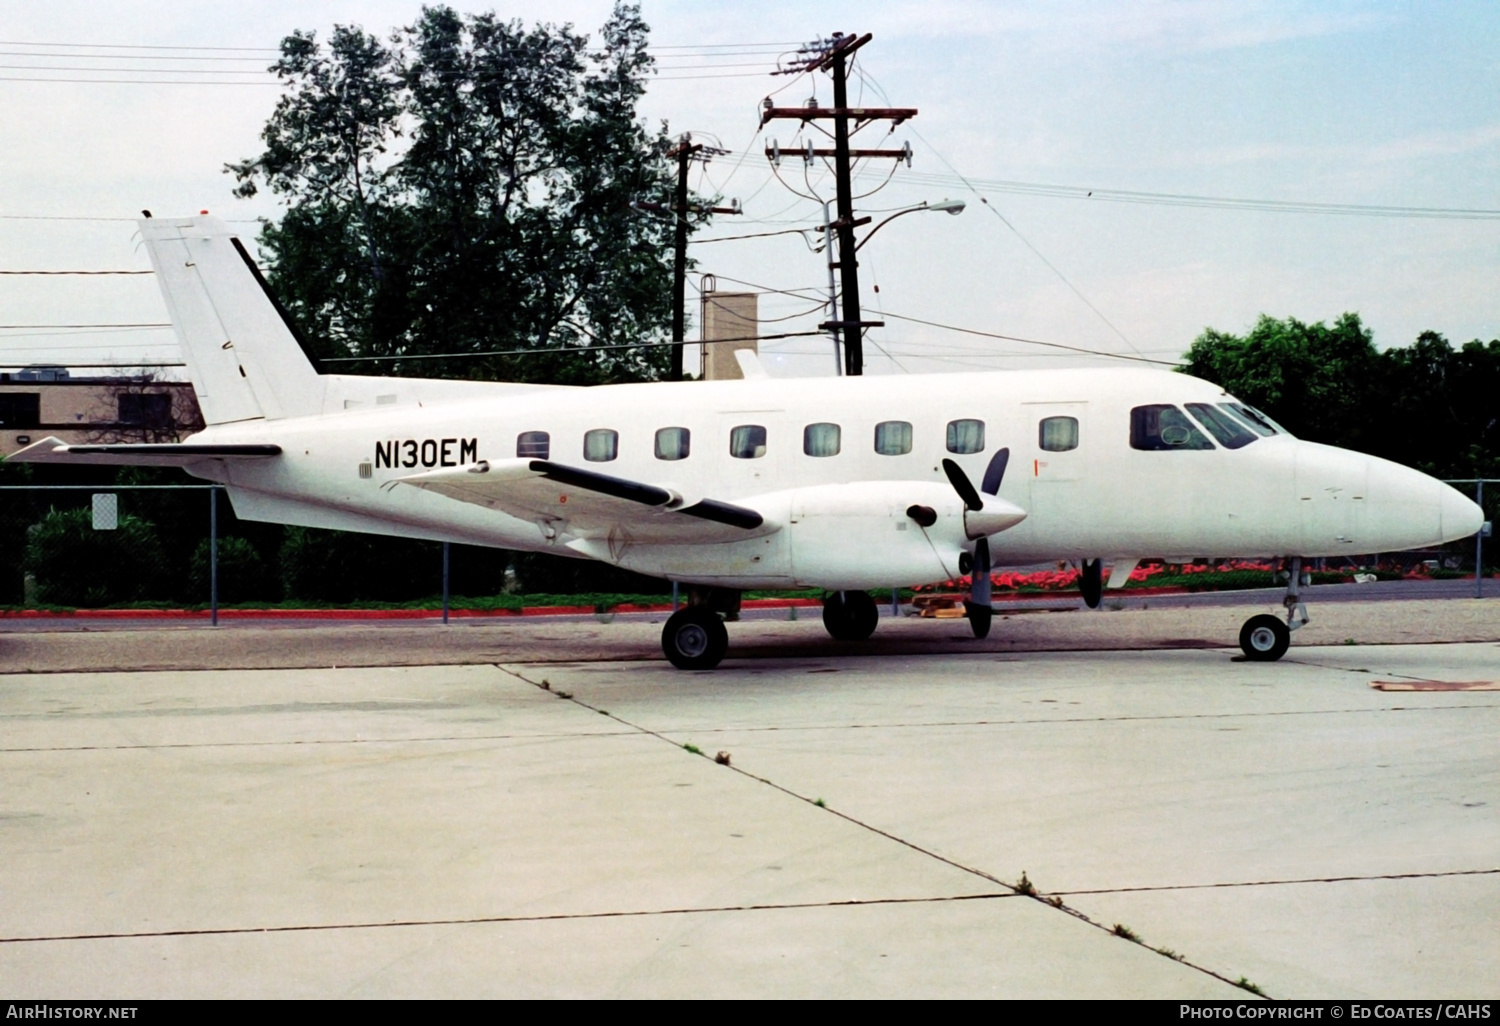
(243, 358)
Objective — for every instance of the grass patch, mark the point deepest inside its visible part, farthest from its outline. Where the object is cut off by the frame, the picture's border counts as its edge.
(820, 803)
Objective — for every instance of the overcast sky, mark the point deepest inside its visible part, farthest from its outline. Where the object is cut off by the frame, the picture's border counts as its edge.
(1376, 104)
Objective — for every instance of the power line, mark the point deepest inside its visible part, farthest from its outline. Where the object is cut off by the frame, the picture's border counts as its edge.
(139, 46)
(1027, 341)
(574, 350)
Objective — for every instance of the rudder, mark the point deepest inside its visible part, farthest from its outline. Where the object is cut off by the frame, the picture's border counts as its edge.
(243, 358)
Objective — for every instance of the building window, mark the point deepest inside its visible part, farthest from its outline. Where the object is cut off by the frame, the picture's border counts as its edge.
(20, 409)
(747, 442)
(1058, 434)
(534, 445)
(673, 443)
(965, 436)
(146, 409)
(601, 445)
(821, 439)
(893, 438)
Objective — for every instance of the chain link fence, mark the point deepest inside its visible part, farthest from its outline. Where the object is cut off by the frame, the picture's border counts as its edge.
(180, 546)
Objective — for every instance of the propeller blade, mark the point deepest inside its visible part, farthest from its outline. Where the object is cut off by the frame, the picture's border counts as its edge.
(979, 582)
(962, 485)
(995, 472)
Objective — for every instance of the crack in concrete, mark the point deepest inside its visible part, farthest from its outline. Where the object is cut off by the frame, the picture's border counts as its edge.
(1283, 883)
(1085, 719)
(1016, 890)
(320, 741)
(481, 920)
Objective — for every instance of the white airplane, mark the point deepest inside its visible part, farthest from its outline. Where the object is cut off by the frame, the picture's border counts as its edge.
(843, 484)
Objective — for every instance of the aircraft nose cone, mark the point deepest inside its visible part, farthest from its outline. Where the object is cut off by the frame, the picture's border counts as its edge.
(1458, 516)
(996, 516)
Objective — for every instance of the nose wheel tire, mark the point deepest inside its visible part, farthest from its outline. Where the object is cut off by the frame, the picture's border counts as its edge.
(1264, 639)
(850, 615)
(694, 639)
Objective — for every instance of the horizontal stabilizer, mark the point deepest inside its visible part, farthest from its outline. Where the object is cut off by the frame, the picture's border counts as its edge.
(55, 450)
(586, 503)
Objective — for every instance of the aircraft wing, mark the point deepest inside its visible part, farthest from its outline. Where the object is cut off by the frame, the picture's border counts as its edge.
(587, 503)
(55, 450)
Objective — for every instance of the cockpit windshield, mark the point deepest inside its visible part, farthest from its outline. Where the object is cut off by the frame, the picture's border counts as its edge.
(1229, 431)
(1259, 422)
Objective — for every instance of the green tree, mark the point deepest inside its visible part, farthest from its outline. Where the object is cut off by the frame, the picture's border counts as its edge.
(1314, 378)
(471, 186)
(1426, 405)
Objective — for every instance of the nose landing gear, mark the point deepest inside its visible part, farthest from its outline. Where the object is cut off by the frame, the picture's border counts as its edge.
(1265, 639)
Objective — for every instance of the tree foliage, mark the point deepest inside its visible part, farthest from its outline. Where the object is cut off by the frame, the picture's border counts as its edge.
(469, 186)
(1427, 405)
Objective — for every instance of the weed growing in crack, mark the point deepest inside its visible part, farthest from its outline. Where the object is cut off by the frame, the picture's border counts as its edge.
(1121, 930)
(1025, 886)
(694, 749)
(1174, 956)
(1055, 901)
(1245, 984)
(820, 803)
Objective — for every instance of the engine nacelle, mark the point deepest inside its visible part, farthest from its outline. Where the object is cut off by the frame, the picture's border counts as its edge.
(874, 534)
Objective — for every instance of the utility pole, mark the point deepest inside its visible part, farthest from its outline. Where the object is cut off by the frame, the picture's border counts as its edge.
(833, 56)
(685, 151)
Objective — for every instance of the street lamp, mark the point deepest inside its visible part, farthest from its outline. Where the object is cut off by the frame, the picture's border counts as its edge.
(947, 206)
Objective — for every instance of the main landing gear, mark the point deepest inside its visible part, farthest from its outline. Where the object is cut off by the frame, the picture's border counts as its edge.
(1264, 638)
(694, 638)
(850, 615)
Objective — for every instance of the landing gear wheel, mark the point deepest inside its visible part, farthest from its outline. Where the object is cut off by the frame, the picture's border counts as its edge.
(1264, 639)
(850, 615)
(694, 639)
(979, 618)
(1091, 582)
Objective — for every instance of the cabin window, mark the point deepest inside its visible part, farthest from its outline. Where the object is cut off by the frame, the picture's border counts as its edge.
(965, 436)
(1230, 433)
(747, 442)
(601, 445)
(1162, 426)
(822, 439)
(673, 443)
(1058, 434)
(893, 438)
(536, 445)
(1258, 421)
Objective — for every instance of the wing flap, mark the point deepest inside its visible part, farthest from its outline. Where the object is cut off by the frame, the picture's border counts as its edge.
(55, 450)
(585, 503)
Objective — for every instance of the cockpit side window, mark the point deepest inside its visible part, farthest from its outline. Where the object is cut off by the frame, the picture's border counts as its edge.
(1230, 433)
(1163, 426)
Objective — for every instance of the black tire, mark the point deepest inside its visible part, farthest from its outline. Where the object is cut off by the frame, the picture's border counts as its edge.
(694, 638)
(1264, 639)
(979, 618)
(1091, 582)
(850, 615)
